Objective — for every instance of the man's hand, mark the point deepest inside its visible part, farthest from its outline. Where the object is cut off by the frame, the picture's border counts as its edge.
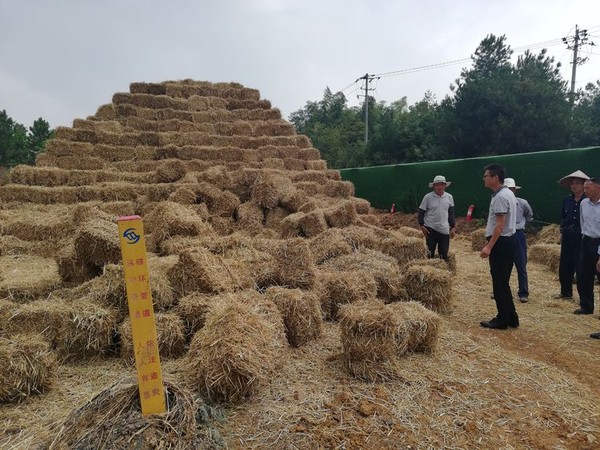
(598, 266)
(485, 251)
(452, 232)
(424, 230)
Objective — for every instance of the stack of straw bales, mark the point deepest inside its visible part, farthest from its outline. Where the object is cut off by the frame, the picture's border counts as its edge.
(248, 231)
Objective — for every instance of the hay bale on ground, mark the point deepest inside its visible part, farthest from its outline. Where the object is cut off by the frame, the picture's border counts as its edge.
(303, 224)
(329, 244)
(411, 232)
(430, 286)
(438, 263)
(28, 367)
(293, 264)
(170, 335)
(23, 278)
(340, 288)
(97, 243)
(113, 419)
(342, 214)
(269, 189)
(546, 254)
(70, 266)
(231, 366)
(550, 234)
(478, 240)
(372, 338)
(250, 218)
(403, 249)
(422, 324)
(301, 314)
(192, 309)
(170, 171)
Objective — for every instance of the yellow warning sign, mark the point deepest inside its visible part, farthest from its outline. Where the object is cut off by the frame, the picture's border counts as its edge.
(141, 314)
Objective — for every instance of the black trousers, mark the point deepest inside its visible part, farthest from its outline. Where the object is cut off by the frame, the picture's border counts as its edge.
(501, 259)
(441, 241)
(570, 245)
(588, 257)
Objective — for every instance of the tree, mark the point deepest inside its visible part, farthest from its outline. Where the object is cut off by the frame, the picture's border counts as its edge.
(586, 117)
(38, 134)
(19, 145)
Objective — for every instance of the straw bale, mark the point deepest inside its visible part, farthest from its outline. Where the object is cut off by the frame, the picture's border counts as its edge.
(37, 194)
(170, 219)
(71, 267)
(546, 254)
(438, 263)
(301, 314)
(478, 240)
(343, 189)
(106, 112)
(198, 270)
(550, 234)
(309, 206)
(238, 127)
(273, 163)
(268, 152)
(38, 176)
(7, 308)
(98, 125)
(410, 232)
(218, 176)
(242, 182)
(266, 308)
(361, 237)
(340, 288)
(451, 261)
(43, 317)
(113, 419)
(231, 366)
(361, 205)
(59, 147)
(319, 164)
(170, 171)
(294, 164)
(404, 249)
(224, 205)
(382, 267)
(250, 218)
(28, 367)
(256, 268)
(341, 214)
(274, 217)
(192, 310)
(367, 220)
(183, 196)
(170, 336)
(423, 326)
(87, 332)
(329, 244)
(294, 200)
(430, 286)
(97, 243)
(316, 176)
(293, 264)
(311, 188)
(222, 225)
(269, 189)
(273, 128)
(303, 224)
(372, 339)
(31, 223)
(25, 277)
(177, 244)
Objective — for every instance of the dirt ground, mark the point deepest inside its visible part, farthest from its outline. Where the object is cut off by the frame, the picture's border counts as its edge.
(533, 387)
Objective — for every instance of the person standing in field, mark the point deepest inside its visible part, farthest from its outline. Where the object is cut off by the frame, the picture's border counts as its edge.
(524, 214)
(437, 218)
(570, 232)
(500, 247)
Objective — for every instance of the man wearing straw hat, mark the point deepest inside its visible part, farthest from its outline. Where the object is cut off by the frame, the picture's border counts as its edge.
(570, 232)
(437, 218)
(524, 214)
(500, 247)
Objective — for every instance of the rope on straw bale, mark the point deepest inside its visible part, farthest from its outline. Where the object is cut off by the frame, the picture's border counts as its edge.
(340, 288)
(28, 367)
(430, 286)
(546, 254)
(26, 277)
(231, 366)
(113, 419)
(170, 336)
(301, 314)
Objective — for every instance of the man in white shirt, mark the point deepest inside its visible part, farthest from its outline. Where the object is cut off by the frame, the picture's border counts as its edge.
(500, 247)
(437, 218)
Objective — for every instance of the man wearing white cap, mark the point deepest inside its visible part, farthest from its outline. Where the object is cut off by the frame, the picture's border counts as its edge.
(524, 214)
(570, 232)
(437, 218)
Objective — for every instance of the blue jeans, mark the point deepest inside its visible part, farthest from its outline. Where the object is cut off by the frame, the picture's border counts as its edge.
(521, 262)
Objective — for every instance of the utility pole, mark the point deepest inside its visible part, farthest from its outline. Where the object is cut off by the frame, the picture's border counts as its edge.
(573, 43)
(367, 78)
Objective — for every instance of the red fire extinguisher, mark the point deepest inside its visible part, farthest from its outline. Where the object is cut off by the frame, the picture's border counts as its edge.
(393, 210)
(470, 213)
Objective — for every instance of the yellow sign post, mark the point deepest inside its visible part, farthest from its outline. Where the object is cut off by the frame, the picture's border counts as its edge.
(141, 314)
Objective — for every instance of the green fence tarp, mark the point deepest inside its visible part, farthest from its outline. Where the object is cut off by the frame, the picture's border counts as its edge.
(537, 173)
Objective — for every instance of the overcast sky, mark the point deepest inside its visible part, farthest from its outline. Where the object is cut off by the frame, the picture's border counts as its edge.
(61, 59)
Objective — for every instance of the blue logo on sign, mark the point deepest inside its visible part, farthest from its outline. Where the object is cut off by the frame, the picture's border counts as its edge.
(131, 236)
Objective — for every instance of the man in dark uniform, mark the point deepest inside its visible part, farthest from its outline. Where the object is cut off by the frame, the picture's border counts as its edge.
(570, 232)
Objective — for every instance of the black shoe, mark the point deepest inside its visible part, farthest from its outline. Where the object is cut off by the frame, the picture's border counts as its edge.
(493, 324)
(595, 335)
(582, 311)
(514, 322)
(524, 299)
